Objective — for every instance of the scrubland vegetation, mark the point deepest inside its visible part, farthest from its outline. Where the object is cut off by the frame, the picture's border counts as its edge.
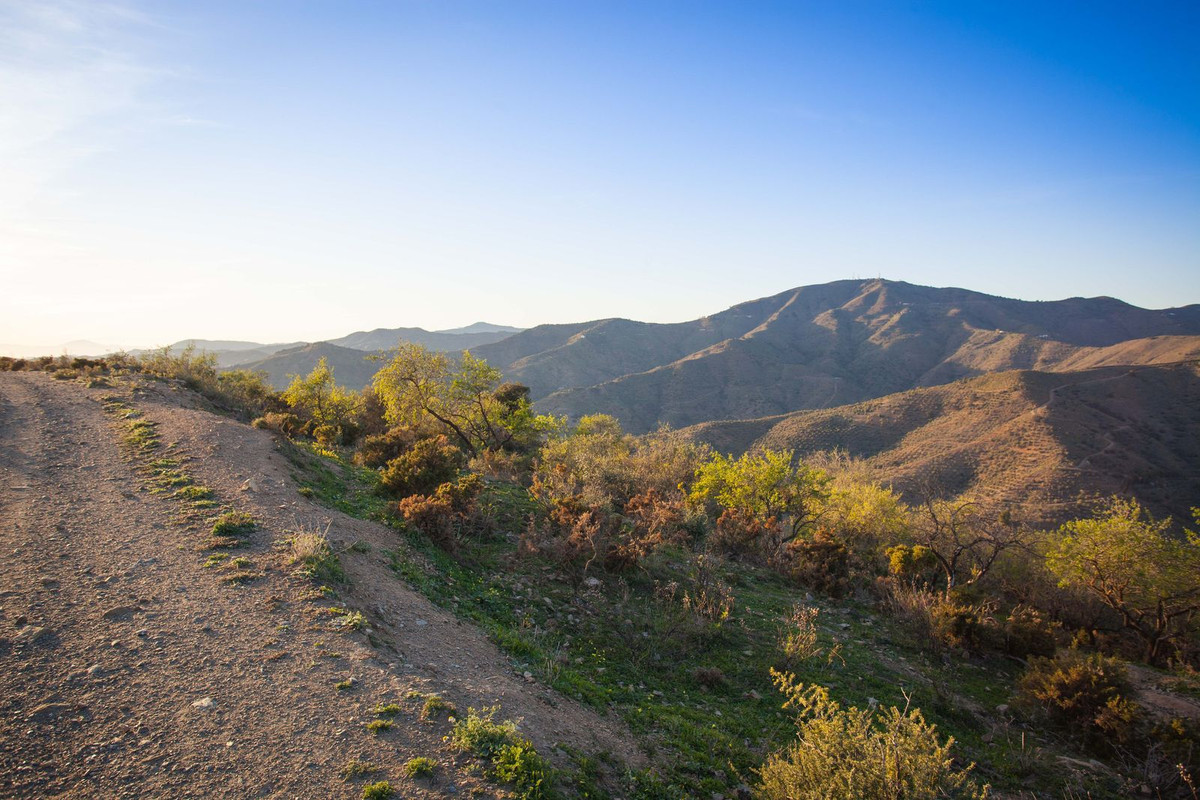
(764, 624)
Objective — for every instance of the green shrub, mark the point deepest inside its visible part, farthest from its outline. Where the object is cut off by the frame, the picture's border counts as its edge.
(441, 515)
(510, 757)
(379, 725)
(357, 769)
(378, 791)
(853, 754)
(422, 469)
(419, 767)
(377, 450)
(1085, 696)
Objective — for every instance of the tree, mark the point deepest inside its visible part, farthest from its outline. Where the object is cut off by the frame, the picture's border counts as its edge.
(318, 397)
(1130, 562)
(765, 485)
(964, 538)
(465, 398)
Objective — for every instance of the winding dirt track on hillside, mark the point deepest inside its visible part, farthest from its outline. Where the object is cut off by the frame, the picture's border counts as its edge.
(112, 631)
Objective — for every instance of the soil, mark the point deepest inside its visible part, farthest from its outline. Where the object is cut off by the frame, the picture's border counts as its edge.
(129, 669)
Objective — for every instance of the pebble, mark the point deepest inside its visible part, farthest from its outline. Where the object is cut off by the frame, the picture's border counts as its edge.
(204, 704)
(142, 632)
(94, 670)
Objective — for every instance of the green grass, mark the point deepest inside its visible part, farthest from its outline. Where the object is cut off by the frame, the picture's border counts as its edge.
(378, 726)
(387, 709)
(420, 767)
(358, 769)
(233, 524)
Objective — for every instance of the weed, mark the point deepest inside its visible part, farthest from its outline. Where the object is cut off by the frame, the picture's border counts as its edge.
(357, 769)
(344, 685)
(315, 559)
(233, 523)
(215, 559)
(354, 621)
(387, 709)
(242, 577)
(419, 767)
(510, 757)
(305, 491)
(378, 791)
(378, 726)
(192, 493)
(435, 705)
(240, 562)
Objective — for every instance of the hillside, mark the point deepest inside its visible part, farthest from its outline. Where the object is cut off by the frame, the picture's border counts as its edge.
(352, 368)
(822, 346)
(1034, 439)
(472, 336)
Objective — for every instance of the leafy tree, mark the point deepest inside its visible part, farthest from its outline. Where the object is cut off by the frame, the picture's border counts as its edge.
(1128, 560)
(763, 484)
(464, 397)
(318, 397)
(964, 537)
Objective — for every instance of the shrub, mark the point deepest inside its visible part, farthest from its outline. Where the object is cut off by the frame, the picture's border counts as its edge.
(378, 791)
(377, 450)
(939, 620)
(510, 757)
(798, 640)
(744, 536)
(853, 754)
(1086, 696)
(709, 677)
(819, 562)
(419, 767)
(356, 769)
(426, 466)
(442, 515)
(1028, 633)
(311, 552)
(281, 422)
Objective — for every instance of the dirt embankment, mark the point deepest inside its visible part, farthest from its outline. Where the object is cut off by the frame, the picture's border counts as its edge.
(129, 669)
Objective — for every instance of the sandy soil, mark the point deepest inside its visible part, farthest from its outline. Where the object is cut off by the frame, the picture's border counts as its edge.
(128, 669)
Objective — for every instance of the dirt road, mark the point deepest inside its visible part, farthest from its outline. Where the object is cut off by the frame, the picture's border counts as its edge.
(128, 669)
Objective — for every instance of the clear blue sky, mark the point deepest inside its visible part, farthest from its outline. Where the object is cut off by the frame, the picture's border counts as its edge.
(298, 170)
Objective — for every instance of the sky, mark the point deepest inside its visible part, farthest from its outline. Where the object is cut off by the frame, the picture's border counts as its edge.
(281, 171)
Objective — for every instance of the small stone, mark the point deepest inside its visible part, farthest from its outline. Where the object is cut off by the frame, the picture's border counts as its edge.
(592, 583)
(21, 621)
(94, 670)
(114, 643)
(204, 704)
(528, 677)
(1002, 708)
(142, 632)
(30, 634)
(118, 613)
(421, 623)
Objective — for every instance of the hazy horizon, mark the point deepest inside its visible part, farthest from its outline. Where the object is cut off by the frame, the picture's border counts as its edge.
(271, 172)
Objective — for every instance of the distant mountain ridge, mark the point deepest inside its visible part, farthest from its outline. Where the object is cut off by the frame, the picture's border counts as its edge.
(822, 346)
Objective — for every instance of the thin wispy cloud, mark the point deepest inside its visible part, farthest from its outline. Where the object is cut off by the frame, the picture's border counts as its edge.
(70, 77)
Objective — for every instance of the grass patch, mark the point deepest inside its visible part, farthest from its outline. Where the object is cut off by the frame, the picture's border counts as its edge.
(344, 685)
(436, 707)
(239, 578)
(420, 767)
(378, 726)
(310, 552)
(387, 709)
(233, 524)
(141, 435)
(354, 621)
(358, 769)
(215, 559)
